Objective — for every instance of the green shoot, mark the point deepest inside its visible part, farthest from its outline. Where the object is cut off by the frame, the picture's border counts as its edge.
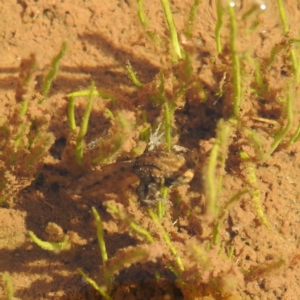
(223, 134)
(259, 78)
(174, 271)
(283, 132)
(84, 126)
(122, 258)
(261, 86)
(101, 289)
(295, 137)
(86, 93)
(102, 247)
(286, 30)
(132, 255)
(100, 235)
(199, 255)
(255, 193)
(171, 24)
(8, 286)
(167, 239)
(20, 135)
(256, 143)
(255, 8)
(188, 73)
(264, 269)
(107, 275)
(49, 246)
(71, 113)
(283, 46)
(296, 65)
(36, 152)
(53, 71)
(132, 75)
(275, 50)
(191, 20)
(26, 79)
(71, 105)
(146, 130)
(212, 182)
(160, 97)
(209, 177)
(219, 24)
(293, 55)
(230, 253)
(161, 210)
(26, 138)
(109, 113)
(236, 68)
(222, 216)
(144, 22)
(161, 205)
(168, 126)
(135, 227)
(142, 15)
(283, 18)
(24, 107)
(122, 127)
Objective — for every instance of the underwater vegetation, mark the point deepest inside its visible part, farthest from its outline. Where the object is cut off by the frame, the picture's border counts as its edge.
(186, 233)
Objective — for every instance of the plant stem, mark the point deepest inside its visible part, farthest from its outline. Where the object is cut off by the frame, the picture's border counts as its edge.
(132, 75)
(8, 286)
(283, 132)
(283, 18)
(142, 15)
(100, 289)
(255, 193)
(71, 113)
(235, 63)
(137, 228)
(167, 125)
(100, 235)
(85, 93)
(219, 24)
(84, 126)
(53, 71)
(167, 239)
(192, 18)
(172, 27)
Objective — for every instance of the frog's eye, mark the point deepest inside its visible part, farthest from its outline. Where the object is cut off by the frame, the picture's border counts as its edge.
(186, 177)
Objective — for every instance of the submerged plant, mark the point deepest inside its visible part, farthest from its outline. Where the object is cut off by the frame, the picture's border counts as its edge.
(216, 115)
(8, 286)
(25, 133)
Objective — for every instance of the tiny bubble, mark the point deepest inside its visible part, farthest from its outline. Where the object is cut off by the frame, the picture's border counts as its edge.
(263, 6)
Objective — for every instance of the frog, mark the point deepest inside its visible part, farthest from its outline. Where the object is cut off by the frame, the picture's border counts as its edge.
(154, 168)
(161, 167)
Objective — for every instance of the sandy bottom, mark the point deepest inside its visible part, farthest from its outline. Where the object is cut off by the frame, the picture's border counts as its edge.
(102, 36)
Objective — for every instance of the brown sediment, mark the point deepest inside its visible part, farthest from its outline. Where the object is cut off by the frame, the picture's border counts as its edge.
(102, 37)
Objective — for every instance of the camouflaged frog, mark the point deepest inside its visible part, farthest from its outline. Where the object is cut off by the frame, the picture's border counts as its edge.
(154, 168)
